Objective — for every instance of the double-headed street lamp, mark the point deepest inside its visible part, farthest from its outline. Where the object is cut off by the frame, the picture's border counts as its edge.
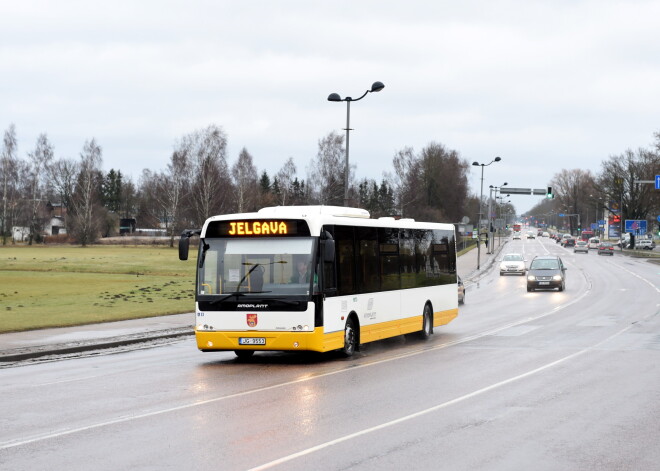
(496, 159)
(376, 87)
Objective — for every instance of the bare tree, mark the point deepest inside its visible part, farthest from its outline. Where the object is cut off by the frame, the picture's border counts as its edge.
(285, 179)
(174, 188)
(326, 173)
(63, 174)
(40, 159)
(87, 194)
(406, 168)
(211, 186)
(8, 169)
(617, 185)
(572, 189)
(245, 182)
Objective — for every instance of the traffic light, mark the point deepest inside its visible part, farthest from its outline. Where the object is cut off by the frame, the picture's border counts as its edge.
(549, 194)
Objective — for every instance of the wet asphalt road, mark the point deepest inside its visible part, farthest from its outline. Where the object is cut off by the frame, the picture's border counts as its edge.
(547, 380)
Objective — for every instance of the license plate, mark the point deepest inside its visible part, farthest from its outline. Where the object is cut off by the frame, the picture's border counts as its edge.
(252, 341)
(544, 282)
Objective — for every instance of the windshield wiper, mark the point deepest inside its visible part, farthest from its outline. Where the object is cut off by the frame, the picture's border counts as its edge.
(235, 293)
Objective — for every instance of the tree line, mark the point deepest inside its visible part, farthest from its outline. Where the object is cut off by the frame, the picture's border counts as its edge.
(616, 190)
(198, 181)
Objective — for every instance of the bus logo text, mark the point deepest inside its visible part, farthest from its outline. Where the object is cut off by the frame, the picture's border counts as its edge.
(258, 228)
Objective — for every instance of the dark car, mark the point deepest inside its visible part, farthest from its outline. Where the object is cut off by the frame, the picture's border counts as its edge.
(546, 272)
(569, 242)
(605, 248)
(461, 291)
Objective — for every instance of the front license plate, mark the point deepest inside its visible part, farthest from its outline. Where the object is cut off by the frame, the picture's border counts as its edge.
(252, 341)
(544, 282)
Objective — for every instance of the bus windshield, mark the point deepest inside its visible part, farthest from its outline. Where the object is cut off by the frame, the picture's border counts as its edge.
(253, 267)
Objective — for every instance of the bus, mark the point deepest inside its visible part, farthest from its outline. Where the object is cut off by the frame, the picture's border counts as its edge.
(586, 235)
(319, 278)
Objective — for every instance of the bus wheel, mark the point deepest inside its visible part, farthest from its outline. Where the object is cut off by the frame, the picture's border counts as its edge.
(244, 354)
(425, 333)
(350, 338)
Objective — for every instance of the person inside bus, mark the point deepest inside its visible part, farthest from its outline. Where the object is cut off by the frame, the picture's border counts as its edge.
(302, 273)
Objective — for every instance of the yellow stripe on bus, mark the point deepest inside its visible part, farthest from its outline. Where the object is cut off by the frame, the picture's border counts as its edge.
(317, 340)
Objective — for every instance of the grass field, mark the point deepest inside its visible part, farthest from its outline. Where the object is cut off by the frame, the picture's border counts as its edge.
(56, 286)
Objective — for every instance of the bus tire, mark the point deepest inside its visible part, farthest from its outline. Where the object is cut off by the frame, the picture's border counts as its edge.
(350, 338)
(427, 323)
(244, 354)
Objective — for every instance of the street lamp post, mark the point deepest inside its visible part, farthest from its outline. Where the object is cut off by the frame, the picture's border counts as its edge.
(501, 204)
(496, 159)
(491, 241)
(375, 87)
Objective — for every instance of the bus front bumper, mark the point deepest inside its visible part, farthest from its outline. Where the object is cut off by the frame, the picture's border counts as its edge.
(315, 341)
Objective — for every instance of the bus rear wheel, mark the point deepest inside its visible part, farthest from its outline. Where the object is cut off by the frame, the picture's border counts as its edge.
(426, 331)
(350, 338)
(244, 354)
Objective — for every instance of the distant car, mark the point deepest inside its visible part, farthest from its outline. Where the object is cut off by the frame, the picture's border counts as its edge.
(531, 235)
(581, 246)
(569, 242)
(512, 263)
(605, 248)
(646, 244)
(539, 233)
(545, 234)
(546, 272)
(516, 235)
(461, 291)
(594, 242)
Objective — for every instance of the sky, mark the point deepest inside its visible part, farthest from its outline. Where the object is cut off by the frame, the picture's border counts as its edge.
(544, 85)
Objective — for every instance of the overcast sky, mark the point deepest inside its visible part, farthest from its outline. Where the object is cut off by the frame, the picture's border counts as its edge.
(545, 85)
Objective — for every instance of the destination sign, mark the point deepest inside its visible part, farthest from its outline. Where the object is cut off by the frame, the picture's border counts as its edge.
(257, 228)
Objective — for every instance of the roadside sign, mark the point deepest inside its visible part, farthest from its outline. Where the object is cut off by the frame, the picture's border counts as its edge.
(658, 218)
(561, 215)
(636, 226)
(657, 183)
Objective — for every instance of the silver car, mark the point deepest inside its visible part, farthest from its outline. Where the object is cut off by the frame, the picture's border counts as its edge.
(513, 263)
(581, 246)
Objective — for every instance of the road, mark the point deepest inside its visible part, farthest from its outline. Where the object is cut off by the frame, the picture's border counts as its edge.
(549, 380)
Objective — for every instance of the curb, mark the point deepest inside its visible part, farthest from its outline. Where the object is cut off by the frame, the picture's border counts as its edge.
(70, 348)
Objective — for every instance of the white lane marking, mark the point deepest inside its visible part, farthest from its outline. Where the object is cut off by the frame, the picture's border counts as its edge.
(648, 282)
(435, 408)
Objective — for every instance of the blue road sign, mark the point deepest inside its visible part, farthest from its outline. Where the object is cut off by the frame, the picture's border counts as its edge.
(636, 226)
(658, 218)
(561, 215)
(657, 182)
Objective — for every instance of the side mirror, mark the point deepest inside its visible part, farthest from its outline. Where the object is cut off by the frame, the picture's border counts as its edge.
(184, 246)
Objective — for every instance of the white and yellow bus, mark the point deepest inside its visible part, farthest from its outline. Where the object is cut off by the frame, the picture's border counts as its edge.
(319, 278)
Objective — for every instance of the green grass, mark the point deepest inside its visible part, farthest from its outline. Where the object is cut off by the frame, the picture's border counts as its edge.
(56, 286)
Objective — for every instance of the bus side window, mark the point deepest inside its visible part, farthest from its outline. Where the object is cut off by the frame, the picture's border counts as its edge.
(368, 263)
(345, 260)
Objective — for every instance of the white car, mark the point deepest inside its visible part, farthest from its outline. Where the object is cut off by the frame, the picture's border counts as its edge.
(594, 242)
(512, 263)
(645, 244)
(516, 235)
